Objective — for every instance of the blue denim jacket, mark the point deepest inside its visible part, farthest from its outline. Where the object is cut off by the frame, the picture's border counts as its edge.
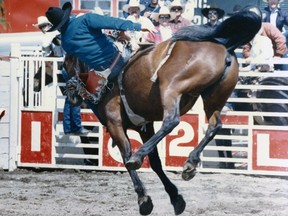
(83, 38)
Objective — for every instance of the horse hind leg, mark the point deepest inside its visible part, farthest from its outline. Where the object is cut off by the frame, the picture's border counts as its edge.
(189, 168)
(176, 199)
(170, 121)
(214, 99)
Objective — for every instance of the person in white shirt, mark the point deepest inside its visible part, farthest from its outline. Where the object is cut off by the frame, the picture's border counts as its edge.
(261, 53)
(164, 30)
(50, 40)
(133, 9)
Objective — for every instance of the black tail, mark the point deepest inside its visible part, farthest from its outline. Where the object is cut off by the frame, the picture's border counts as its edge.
(235, 31)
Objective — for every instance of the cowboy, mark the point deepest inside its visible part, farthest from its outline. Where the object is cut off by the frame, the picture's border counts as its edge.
(83, 38)
(279, 18)
(275, 15)
(164, 30)
(213, 14)
(179, 21)
(50, 41)
(72, 123)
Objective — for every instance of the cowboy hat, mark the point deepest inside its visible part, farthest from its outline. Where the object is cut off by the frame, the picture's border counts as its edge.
(205, 11)
(58, 17)
(41, 20)
(163, 11)
(133, 3)
(176, 3)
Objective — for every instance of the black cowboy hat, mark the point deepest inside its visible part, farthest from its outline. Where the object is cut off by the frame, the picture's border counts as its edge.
(213, 6)
(58, 17)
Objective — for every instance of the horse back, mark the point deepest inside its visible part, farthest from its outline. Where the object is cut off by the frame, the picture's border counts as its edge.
(189, 69)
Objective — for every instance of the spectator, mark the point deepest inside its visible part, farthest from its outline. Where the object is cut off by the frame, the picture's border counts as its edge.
(153, 6)
(71, 115)
(278, 41)
(213, 14)
(133, 9)
(164, 31)
(142, 2)
(279, 18)
(261, 53)
(179, 21)
(275, 15)
(90, 45)
(50, 40)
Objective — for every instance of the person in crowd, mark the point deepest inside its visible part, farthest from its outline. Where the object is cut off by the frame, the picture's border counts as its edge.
(142, 2)
(153, 6)
(261, 53)
(82, 37)
(72, 123)
(279, 18)
(179, 21)
(164, 30)
(133, 9)
(278, 42)
(50, 40)
(275, 15)
(213, 14)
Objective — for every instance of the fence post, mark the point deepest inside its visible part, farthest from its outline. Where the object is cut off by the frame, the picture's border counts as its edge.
(14, 107)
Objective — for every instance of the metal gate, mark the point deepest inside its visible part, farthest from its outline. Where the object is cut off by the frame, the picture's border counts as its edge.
(256, 149)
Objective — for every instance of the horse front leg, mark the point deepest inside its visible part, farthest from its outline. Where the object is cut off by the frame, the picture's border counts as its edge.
(176, 199)
(214, 125)
(121, 139)
(170, 121)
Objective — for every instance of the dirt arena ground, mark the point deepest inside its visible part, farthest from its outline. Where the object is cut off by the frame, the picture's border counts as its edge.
(71, 192)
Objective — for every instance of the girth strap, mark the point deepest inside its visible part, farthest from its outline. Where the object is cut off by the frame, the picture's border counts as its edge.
(134, 118)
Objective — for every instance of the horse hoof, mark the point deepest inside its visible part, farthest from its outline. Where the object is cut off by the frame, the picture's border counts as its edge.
(189, 171)
(179, 205)
(133, 163)
(145, 205)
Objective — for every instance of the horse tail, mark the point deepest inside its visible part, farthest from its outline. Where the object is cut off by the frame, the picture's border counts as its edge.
(233, 32)
(239, 29)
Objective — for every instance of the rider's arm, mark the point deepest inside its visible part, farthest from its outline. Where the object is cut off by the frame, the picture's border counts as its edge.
(106, 22)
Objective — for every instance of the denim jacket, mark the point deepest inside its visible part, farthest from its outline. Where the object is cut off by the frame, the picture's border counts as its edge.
(83, 38)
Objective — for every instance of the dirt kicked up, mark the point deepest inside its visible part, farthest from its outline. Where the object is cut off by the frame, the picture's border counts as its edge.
(71, 192)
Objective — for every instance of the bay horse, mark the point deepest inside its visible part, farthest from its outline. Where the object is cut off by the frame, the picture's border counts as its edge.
(163, 82)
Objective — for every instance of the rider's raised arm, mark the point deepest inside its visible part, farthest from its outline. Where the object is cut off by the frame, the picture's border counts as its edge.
(106, 22)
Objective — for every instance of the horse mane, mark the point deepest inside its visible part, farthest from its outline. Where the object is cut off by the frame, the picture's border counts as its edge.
(233, 32)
